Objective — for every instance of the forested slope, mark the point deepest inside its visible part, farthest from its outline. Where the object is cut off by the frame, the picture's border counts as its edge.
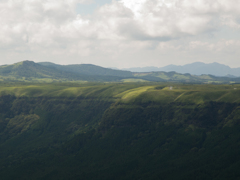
(119, 131)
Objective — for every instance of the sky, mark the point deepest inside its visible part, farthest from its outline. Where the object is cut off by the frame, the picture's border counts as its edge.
(120, 33)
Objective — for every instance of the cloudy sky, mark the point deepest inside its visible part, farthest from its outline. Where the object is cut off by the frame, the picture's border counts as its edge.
(120, 33)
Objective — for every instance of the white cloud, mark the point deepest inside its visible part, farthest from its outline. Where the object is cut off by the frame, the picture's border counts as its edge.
(178, 18)
(120, 29)
(222, 46)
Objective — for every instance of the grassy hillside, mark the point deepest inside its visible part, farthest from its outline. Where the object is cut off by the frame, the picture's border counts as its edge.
(88, 69)
(29, 71)
(119, 131)
(130, 92)
(187, 78)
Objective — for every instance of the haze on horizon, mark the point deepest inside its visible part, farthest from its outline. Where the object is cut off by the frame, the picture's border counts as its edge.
(122, 34)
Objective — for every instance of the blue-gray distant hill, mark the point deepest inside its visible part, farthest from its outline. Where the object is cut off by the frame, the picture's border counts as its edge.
(197, 68)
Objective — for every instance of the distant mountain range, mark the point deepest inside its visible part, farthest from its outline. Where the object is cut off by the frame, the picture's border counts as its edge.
(197, 68)
(29, 71)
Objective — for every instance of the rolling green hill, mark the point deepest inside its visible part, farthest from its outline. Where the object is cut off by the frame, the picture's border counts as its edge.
(88, 69)
(119, 131)
(29, 71)
(188, 78)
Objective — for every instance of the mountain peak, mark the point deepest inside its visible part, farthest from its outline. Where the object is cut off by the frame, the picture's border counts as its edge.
(28, 62)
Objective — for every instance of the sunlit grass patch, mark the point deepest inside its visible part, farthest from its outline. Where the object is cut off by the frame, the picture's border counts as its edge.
(199, 97)
(133, 93)
(133, 80)
(158, 96)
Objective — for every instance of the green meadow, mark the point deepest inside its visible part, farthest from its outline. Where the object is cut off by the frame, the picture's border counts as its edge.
(128, 92)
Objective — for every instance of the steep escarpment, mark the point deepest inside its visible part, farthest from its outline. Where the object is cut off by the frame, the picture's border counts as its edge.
(162, 141)
(120, 131)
